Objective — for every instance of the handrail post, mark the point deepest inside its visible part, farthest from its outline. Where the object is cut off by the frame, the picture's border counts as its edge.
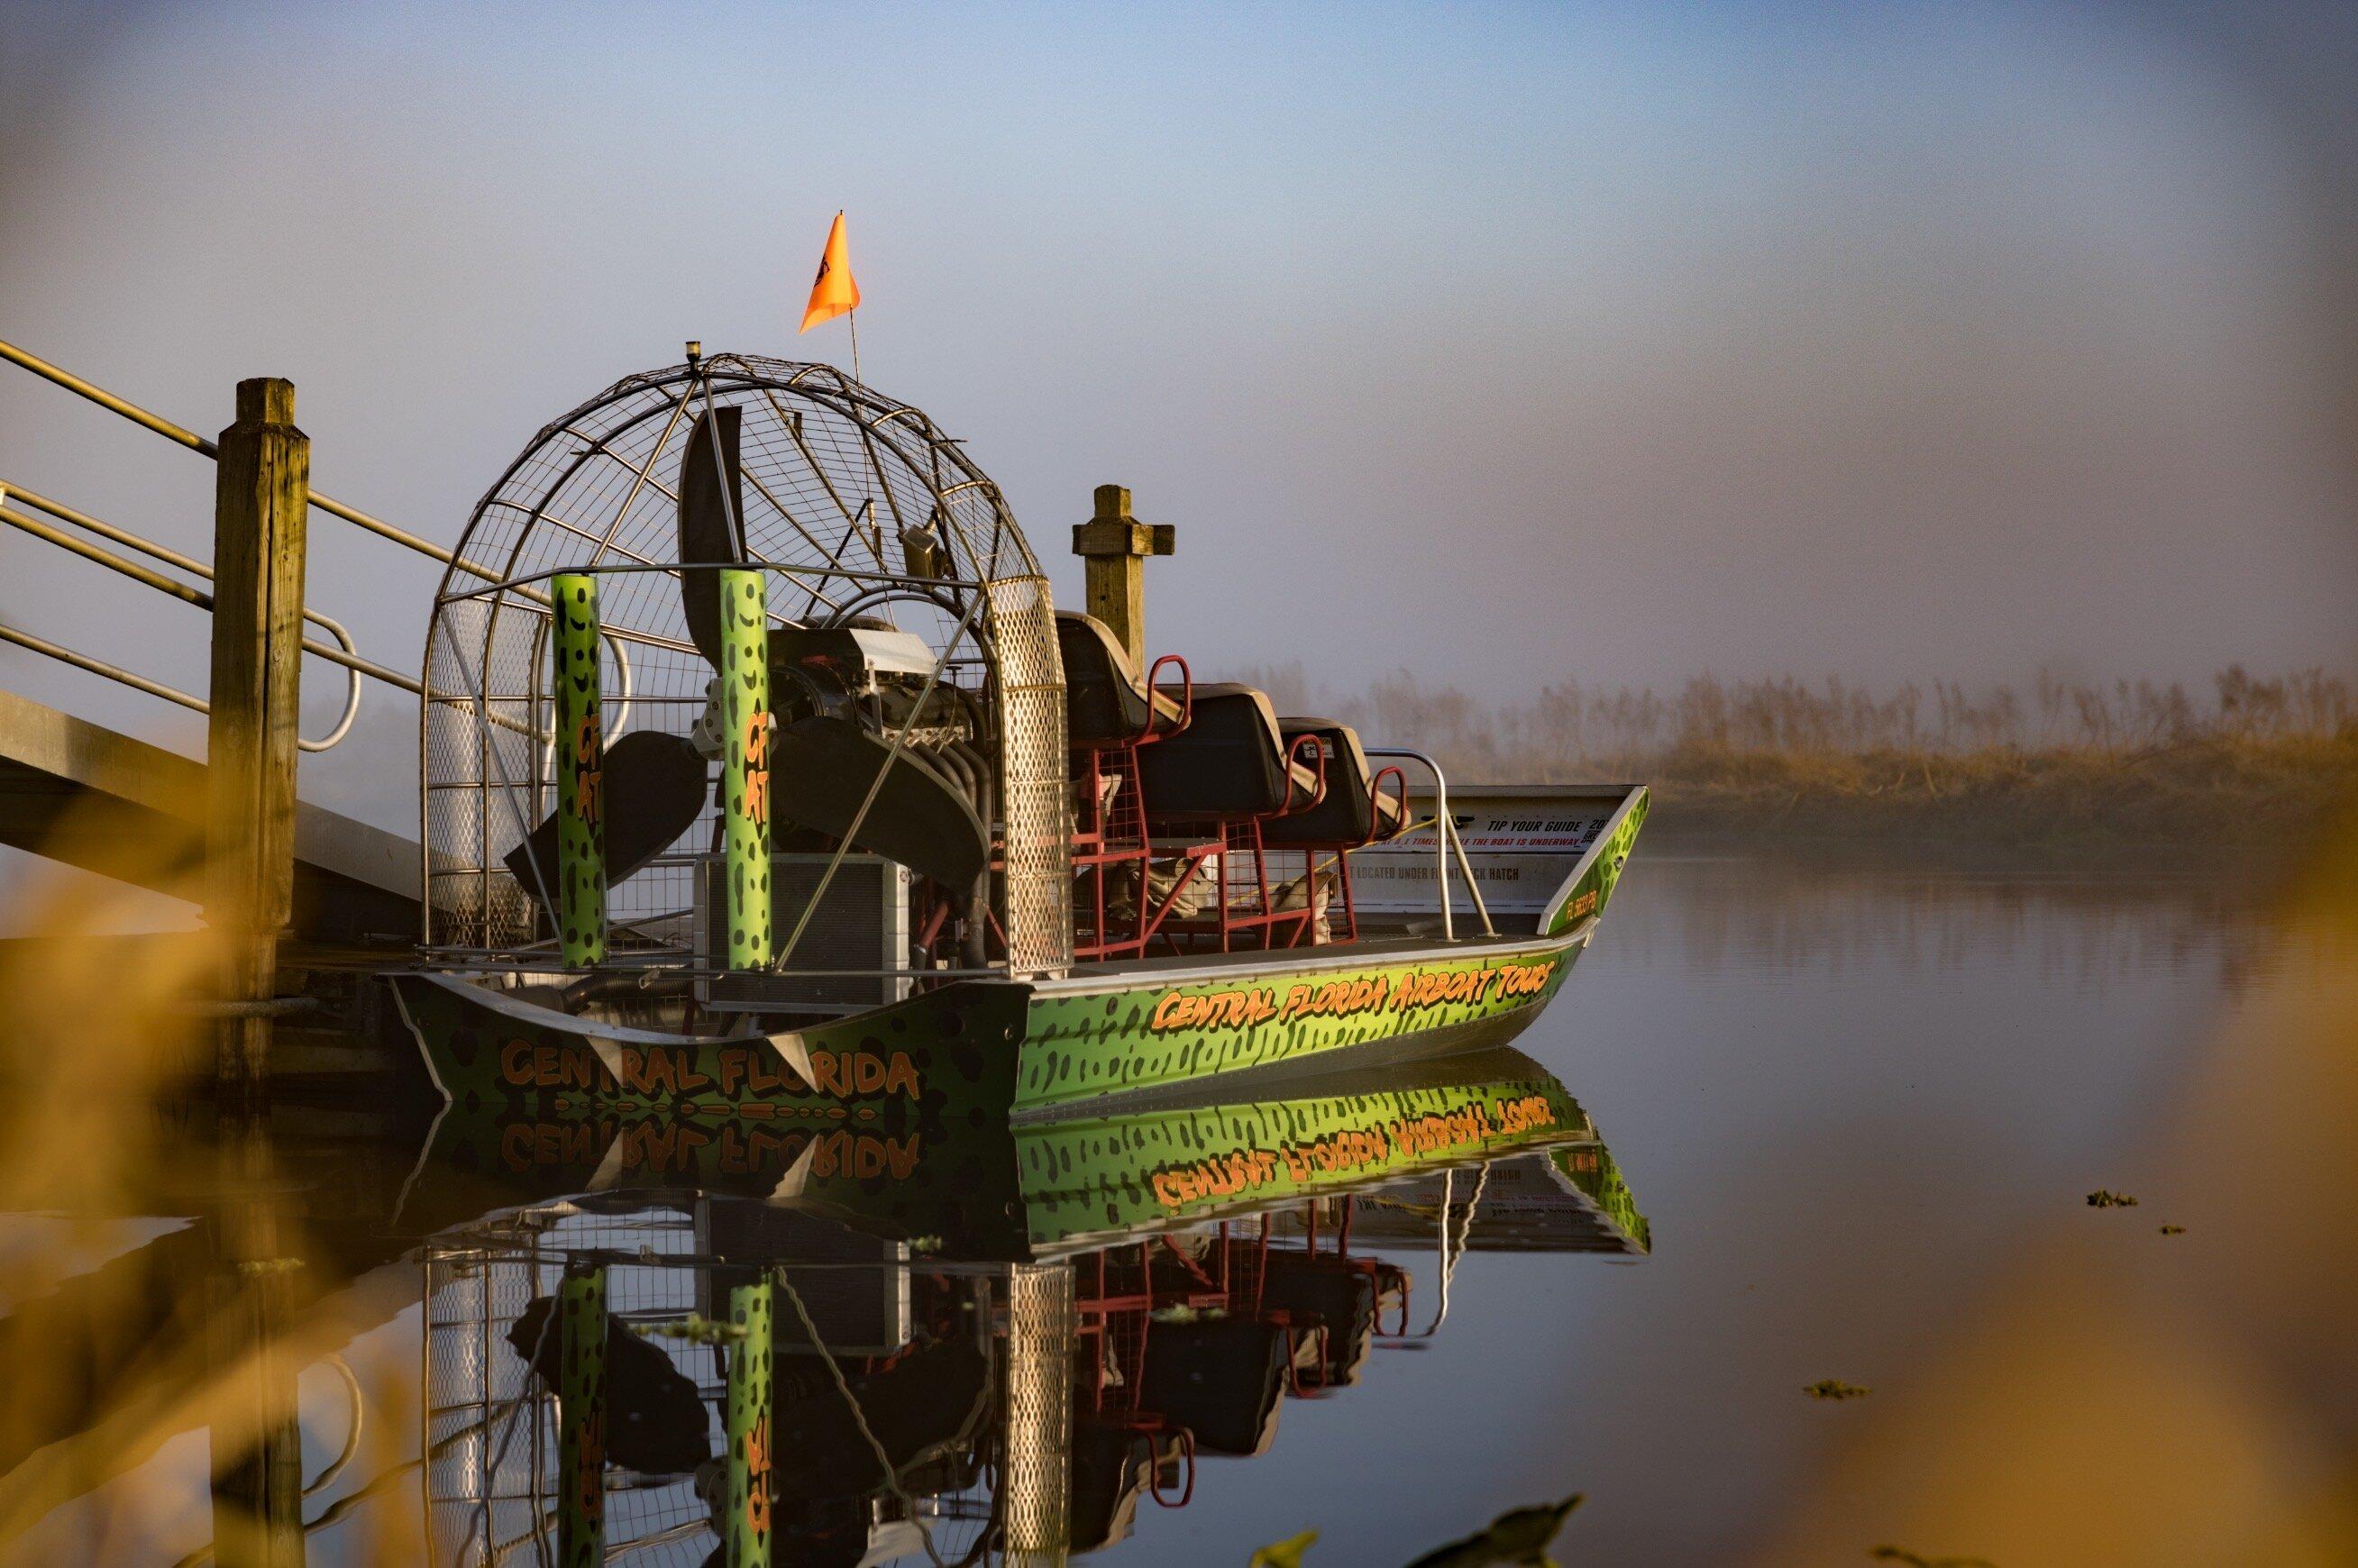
(261, 507)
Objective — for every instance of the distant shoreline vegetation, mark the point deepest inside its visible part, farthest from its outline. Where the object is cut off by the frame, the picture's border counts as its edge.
(2249, 760)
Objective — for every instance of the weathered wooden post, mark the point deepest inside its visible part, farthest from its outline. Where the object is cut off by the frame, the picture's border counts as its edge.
(256, 1433)
(261, 509)
(1116, 546)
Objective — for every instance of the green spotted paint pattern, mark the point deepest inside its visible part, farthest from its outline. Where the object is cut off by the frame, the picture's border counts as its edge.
(1595, 1173)
(1080, 1045)
(581, 1420)
(982, 1188)
(1110, 1174)
(1588, 893)
(745, 767)
(745, 1543)
(580, 767)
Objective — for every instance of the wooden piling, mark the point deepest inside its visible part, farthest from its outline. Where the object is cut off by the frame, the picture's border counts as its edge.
(1116, 546)
(255, 1431)
(261, 509)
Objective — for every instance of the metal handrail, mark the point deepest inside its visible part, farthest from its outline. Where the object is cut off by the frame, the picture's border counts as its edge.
(347, 655)
(1445, 839)
(196, 443)
(180, 435)
(97, 668)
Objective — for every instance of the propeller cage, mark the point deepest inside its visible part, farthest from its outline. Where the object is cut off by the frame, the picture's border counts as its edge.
(859, 513)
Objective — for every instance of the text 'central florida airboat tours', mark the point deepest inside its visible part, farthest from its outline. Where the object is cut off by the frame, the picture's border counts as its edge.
(760, 772)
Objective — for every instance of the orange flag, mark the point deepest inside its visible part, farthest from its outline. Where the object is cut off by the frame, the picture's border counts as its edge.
(833, 292)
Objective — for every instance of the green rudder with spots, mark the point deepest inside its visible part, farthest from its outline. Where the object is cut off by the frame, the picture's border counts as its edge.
(745, 778)
(746, 1422)
(581, 774)
(581, 1420)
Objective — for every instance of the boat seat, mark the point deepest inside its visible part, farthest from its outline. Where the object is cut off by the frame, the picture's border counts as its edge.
(1112, 1466)
(1333, 1292)
(1229, 763)
(1107, 701)
(1221, 1379)
(1354, 811)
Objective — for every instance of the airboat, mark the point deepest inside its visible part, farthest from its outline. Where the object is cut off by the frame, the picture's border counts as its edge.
(761, 775)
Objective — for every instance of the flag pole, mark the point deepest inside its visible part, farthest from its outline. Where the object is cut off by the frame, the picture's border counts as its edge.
(852, 315)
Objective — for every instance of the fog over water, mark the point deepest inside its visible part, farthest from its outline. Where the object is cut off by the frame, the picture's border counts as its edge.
(1504, 348)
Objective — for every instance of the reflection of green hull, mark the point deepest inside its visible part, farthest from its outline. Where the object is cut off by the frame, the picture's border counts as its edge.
(1594, 1172)
(1088, 1178)
(995, 1191)
(997, 1048)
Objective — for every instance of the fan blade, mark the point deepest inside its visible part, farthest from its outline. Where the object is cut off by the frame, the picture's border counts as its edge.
(711, 522)
(654, 787)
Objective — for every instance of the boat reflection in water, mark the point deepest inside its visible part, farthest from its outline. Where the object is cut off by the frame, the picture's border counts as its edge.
(713, 1338)
(1043, 1328)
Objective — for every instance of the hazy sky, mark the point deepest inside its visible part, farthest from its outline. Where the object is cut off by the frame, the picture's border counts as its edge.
(1503, 344)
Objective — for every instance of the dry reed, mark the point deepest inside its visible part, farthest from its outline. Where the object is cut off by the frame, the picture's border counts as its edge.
(2131, 760)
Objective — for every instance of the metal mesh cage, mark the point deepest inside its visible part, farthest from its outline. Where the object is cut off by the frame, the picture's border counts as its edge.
(1041, 1328)
(492, 1458)
(1035, 796)
(838, 479)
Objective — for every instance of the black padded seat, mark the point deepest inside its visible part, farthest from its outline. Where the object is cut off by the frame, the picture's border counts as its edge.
(1351, 812)
(1328, 1291)
(1230, 761)
(1106, 699)
(1111, 1466)
(1221, 1379)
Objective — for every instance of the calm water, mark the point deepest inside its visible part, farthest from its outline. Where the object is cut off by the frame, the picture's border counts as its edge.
(1846, 1102)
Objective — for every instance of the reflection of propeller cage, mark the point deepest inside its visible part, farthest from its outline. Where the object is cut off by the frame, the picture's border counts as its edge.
(834, 474)
(491, 1475)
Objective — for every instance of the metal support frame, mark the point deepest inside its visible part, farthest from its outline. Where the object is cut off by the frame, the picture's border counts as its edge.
(1445, 840)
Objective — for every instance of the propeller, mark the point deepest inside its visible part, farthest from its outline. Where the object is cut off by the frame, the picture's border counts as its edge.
(925, 814)
(654, 787)
(711, 520)
(655, 784)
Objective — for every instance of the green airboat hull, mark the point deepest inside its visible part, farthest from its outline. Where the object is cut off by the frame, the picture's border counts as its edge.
(1091, 1044)
(986, 1190)
(994, 1048)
